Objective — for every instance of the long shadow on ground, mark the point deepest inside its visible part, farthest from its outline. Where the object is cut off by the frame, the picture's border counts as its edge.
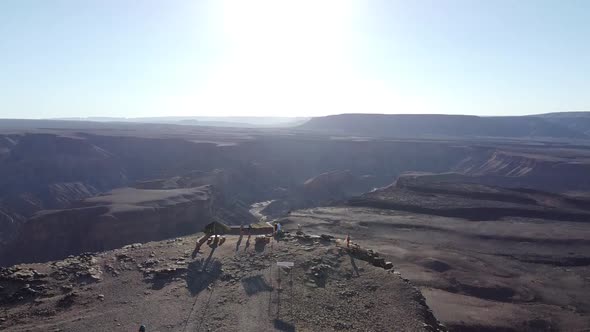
(255, 284)
(202, 273)
(284, 326)
(353, 263)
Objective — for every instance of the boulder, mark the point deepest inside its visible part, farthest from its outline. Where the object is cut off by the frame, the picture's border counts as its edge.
(379, 261)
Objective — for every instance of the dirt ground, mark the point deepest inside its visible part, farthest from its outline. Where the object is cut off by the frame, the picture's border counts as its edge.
(234, 287)
(513, 274)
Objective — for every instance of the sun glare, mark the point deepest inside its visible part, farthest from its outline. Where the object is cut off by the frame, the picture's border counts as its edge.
(291, 58)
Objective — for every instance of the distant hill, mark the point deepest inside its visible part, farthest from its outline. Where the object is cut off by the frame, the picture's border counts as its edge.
(209, 121)
(576, 121)
(441, 126)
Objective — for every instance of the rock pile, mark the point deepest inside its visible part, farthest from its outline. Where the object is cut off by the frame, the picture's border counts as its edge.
(370, 256)
(15, 273)
(320, 269)
(154, 268)
(18, 284)
(83, 268)
(165, 272)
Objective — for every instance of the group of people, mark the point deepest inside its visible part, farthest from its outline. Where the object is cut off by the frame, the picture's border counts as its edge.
(277, 232)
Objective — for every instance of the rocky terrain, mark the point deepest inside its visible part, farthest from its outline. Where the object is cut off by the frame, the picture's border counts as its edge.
(234, 287)
(489, 221)
(485, 258)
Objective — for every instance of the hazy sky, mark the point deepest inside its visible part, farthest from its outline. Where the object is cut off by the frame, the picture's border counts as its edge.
(292, 58)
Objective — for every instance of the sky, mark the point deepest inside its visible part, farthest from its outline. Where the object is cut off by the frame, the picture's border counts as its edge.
(140, 58)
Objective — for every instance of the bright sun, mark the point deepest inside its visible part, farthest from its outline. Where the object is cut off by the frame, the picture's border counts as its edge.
(294, 58)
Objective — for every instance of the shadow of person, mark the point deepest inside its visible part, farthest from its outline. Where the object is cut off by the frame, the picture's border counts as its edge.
(202, 273)
(255, 284)
(259, 246)
(239, 242)
(204, 267)
(353, 263)
(283, 326)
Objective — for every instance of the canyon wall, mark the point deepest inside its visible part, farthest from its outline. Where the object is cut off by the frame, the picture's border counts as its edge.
(118, 218)
(50, 184)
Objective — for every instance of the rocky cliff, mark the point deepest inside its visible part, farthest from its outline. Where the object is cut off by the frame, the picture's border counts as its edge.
(54, 169)
(550, 169)
(461, 196)
(120, 217)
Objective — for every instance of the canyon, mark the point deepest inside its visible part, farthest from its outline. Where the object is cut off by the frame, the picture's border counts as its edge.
(475, 217)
